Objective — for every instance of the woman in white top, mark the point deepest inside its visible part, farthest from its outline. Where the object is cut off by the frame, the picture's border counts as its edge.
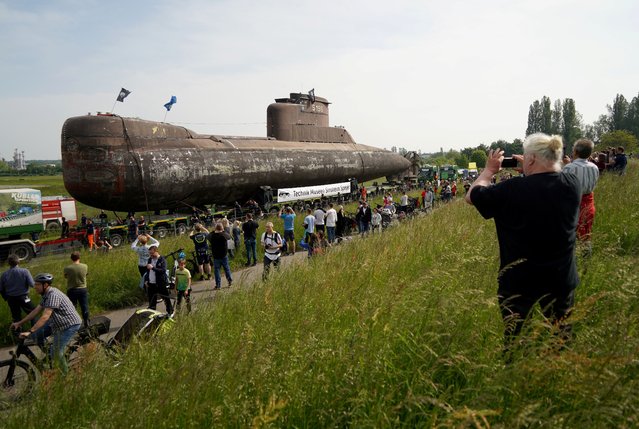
(141, 247)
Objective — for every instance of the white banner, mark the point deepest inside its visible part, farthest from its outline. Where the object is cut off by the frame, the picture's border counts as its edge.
(311, 192)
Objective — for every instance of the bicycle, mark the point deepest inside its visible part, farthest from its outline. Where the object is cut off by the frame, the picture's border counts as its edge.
(19, 377)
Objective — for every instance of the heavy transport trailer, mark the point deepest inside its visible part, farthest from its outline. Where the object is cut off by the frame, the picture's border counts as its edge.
(156, 226)
(26, 249)
(128, 164)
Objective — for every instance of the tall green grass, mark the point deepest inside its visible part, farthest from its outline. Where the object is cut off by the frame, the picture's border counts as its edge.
(113, 278)
(399, 329)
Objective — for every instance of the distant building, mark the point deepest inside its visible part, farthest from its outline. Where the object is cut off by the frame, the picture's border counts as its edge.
(18, 160)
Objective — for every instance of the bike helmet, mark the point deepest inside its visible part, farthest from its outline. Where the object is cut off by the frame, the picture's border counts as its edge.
(43, 278)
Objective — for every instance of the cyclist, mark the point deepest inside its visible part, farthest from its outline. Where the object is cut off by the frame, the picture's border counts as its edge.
(59, 318)
(199, 237)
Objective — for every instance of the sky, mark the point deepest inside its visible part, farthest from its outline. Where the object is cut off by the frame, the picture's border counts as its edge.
(423, 75)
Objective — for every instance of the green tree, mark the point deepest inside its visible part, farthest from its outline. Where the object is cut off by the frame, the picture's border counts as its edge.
(598, 128)
(479, 156)
(546, 115)
(462, 161)
(518, 146)
(572, 124)
(534, 118)
(4, 167)
(632, 118)
(618, 113)
(618, 138)
(557, 119)
(467, 151)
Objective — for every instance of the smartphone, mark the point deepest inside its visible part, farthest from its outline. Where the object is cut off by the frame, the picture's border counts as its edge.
(509, 162)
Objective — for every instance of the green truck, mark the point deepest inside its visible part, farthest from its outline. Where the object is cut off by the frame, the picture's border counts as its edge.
(20, 213)
(448, 172)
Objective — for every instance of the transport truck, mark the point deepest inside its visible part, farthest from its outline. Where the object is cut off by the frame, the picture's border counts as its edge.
(23, 218)
(21, 211)
(56, 208)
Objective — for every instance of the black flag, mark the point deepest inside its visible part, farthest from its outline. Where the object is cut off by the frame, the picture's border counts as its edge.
(123, 94)
(311, 94)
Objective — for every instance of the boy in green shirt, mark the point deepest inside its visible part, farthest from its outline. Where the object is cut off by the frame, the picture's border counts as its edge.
(183, 284)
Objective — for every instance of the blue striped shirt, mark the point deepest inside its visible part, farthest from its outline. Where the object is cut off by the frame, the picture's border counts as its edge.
(64, 314)
(587, 173)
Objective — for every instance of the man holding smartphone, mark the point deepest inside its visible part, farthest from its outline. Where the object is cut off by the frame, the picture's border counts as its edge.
(536, 219)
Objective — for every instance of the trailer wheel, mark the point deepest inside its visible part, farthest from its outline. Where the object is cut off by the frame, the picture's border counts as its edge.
(180, 228)
(162, 231)
(116, 240)
(23, 251)
(53, 226)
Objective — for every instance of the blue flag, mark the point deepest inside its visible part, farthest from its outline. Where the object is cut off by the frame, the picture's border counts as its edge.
(171, 103)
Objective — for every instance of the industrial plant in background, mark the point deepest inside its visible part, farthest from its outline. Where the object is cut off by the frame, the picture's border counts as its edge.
(126, 164)
(19, 163)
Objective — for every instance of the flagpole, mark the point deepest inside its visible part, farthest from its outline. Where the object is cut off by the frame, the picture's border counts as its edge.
(113, 108)
(165, 113)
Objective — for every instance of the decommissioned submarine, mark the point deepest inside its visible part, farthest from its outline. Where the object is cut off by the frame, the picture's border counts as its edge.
(126, 164)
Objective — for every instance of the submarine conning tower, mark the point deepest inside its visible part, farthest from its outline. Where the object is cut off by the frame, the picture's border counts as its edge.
(304, 118)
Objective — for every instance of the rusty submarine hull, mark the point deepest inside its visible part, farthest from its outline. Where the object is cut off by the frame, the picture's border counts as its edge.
(126, 164)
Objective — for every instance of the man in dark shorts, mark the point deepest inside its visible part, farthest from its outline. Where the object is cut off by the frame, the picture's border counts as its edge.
(249, 228)
(289, 228)
(132, 228)
(536, 220)
(65, 228)
(219, 250)
(14, 287)
(200, 241)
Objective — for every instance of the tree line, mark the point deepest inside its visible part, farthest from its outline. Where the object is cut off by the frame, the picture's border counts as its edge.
(619, 126)
(34, 168)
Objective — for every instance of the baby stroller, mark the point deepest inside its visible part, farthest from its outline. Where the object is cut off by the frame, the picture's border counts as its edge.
(387, 216)
(144, 323)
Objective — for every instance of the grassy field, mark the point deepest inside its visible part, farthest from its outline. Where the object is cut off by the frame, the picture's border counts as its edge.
(113, 279)
(396, 330)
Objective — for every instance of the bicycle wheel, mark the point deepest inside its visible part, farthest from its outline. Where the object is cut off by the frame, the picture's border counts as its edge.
(78, 352)
(17, 380)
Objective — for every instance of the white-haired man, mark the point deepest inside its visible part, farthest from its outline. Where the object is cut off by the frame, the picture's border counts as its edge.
(536, 220)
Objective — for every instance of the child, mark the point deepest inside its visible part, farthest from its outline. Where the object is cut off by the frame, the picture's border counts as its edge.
(183, 284)
(103, 246)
